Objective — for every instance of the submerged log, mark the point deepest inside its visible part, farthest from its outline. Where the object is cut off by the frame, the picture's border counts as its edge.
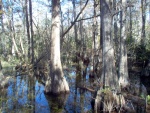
(87, 88)
(5, 80)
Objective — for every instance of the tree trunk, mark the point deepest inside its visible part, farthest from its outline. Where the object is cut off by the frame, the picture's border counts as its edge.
(81, 29)
(31, 30)
(62, 30)
(1, 15)
(95, 40)
(116, 37)
(109, 76)
(123, 67)
(143, 8)
(75, 26)
(12, 32)
(56, 82)
(130, 8)
(21, 44)
(27, 27)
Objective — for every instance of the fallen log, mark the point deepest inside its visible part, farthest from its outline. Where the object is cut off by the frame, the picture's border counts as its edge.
(87, 88)
(128, 110)
(135, 99)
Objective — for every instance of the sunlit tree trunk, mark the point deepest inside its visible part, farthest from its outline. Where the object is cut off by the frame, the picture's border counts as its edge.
(123, 67)
(12, 33)
(109, 76)
(31, 30)
(56, 82)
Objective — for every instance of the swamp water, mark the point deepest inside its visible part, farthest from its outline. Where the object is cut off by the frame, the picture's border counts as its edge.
(26, 95)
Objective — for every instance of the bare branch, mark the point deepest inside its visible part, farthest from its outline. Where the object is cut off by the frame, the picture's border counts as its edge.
(88, 18)
(72, 23)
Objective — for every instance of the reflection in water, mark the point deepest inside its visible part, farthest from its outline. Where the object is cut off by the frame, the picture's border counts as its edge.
(26, 95)
(78, 100)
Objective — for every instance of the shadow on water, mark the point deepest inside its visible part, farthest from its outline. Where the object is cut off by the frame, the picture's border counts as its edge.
(26, 95)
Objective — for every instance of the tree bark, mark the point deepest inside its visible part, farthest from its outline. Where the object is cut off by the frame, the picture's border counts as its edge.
(75, 26)
(1, 15)
(31, 30)
(143, 8)
(27, 27)
(21, 44)
(109, 76)
(56, 82)
(95, 40)
(123, 67)
(12, 33)
(116, 37)
(130, 8)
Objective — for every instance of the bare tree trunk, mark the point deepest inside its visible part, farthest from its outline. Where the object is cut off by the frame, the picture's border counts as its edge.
(21, 44)
(12, 29)
(116, 37)
(109, 76)
(2, 27)
(95, 40)
(94, 27)
(31, 30)
(75, 26)
(123, 67)
(81, 28)
(143, 8)
(28, 28)
(62, 29)
(1, 15)
(56, 82)
(130, 8)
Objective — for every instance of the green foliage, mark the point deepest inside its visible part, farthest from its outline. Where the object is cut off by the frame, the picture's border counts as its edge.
(106, 90)
(148, 99)
(129, 40)
(142, 54)
(10, 63)
(1, 12)
(142, 96)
